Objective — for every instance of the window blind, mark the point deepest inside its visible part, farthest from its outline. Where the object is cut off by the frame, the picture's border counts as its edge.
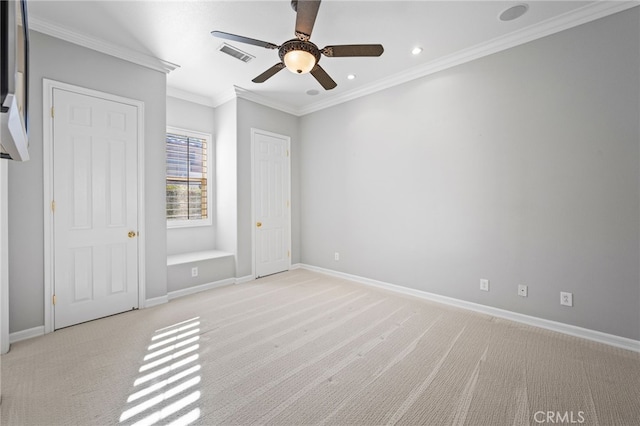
(186, 177)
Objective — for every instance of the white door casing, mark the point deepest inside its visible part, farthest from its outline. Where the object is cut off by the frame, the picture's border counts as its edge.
(94, 253)
(271, 202)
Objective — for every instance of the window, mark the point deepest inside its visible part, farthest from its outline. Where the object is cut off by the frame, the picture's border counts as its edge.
(188, 178)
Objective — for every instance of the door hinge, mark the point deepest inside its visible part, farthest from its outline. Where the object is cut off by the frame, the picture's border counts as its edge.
(288, 253)
(53, 206)
(52, 112)
(54, 299)
(287, 153)
(287, 203)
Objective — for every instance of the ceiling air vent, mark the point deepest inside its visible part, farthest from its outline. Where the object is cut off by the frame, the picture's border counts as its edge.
(235, 52)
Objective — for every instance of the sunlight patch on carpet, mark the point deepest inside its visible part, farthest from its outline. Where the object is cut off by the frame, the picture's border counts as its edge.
(167, 390)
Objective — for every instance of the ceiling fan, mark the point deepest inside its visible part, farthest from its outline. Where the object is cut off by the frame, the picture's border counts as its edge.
(300, 55)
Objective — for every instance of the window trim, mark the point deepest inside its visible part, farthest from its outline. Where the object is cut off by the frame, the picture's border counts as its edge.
(192, 223)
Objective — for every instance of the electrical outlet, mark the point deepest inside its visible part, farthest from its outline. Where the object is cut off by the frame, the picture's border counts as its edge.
(566, 299)
(484, 285)
(336, 256)
(522, 290)
(194, 271)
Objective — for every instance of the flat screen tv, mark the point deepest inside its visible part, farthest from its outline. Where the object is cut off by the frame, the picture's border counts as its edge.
(14, 80)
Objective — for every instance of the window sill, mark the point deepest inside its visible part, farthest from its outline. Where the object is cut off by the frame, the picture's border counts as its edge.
(196, 256)
(188, 224)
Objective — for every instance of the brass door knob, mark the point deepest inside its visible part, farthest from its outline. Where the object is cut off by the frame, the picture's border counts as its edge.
(259, 224)
(132, 234)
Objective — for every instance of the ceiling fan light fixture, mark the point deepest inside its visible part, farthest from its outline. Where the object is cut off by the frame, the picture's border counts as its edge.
(300, 55)
(299, 61)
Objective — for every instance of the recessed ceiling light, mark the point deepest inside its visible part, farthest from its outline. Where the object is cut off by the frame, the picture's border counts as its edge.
(416, 50)
(351, 76)
(514, 12)
(312, 92)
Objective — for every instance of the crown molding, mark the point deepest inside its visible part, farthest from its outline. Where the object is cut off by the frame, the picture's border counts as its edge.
(191, 97)
(224, 97)
(235, 92)
(259, 99)
(583, 15)
(129, 55)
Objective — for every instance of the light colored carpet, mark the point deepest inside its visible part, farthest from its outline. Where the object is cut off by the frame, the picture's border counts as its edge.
(304, 348)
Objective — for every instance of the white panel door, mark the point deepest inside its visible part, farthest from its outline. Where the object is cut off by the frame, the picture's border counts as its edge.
(95, 211)
(271, 203)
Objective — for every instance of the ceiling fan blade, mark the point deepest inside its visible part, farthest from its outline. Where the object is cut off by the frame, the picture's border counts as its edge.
(353, 50)
(268, 73)
(323, 78)
(307, 10)
(242, 39)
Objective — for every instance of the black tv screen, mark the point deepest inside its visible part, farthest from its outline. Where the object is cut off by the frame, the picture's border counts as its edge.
(14, 79)
(4, 52)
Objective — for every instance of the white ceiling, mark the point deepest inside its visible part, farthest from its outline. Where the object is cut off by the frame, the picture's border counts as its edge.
(450, 32)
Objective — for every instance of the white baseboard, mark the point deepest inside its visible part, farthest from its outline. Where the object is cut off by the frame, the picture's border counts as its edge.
(155, 301)
(26, 334)
(198, 288)
(572, 330)
(245, 279)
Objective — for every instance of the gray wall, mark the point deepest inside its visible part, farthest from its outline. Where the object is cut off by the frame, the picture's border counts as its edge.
(191, 116)
(252, 115)
(233, 122)
(58, 60)
(226, 140)
(521, 167)
(232, 126)
(209, 271)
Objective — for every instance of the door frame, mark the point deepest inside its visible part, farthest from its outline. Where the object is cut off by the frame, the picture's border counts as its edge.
(287, 186)
(47, 162)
